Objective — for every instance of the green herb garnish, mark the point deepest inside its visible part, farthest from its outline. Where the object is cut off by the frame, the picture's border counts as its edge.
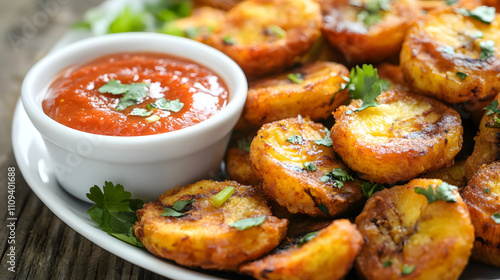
(228, 40)
(244, 144)
(326, 141)
(487, 49)
(296, 78)
(222, 196)
(338, 176)
(484, 14)
(407, 269)
(372, 12)
(461, 76)
(162, 103)
(444, 192)
(276, 30)
(306, 238)
(141, 112)
(496, 218)
(369, 188)
(487, 191)
(323, 209)
(132, 93)
(248, 223)
(177, 209)
(366, 85)
(451, 2)
(115, 211)
(310, 166)
(492, 108)
(192, 32)
(387, 263)
(295, 139)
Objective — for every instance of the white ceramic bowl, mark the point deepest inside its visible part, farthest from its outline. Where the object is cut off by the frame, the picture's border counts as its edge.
(145, 165)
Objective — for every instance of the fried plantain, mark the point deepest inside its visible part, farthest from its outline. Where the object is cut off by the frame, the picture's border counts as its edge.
(368, 30)
(313, 90)
(203, 236)
(453, 175)
(328, 255)
(198, 26)
(453, 57)
(263, 37)
(237, 158)
(482, 196)
(297, 171)
(408, 237)
(406, 135)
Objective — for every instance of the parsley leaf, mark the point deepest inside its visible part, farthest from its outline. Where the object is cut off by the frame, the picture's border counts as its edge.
(115, 211)
(444, 191)
(369, 188)
(140, 112)
(496, 218)
(461, 76)
(484, 14)
(407, 269)
(248, 223)
(366, 85)
(162, 103)
(338, 176)
(326, 141)
(296, 78)
(306, 238)
(295, 139)
(487, 49)
(309, 166)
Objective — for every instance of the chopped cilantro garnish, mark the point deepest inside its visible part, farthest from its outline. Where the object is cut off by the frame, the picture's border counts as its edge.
(169, 212)
(114, 87)
(276, 31)
(482, 13)
(444, 192)
(366, 85)
(310, 166)
(163, 104)
(407, 269)
(487, 191)
(387, 263)
(296, 78)
(461, 76)
(228, 40)
(496, 218)
(338, 176)
(295, 139)
(451, 2)
(369, 188)
(140, 112)
(492, 108)
(181, 204)
(372, 12)
(487, 49)
(222, 196)
(177, 209)
(192, 32)
(248, 223)
(132, 93)
(244, 144)
(306, 238)
(115, 211)
(326, 141)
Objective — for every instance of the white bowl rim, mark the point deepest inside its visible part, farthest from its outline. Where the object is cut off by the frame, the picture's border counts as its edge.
(42, 121)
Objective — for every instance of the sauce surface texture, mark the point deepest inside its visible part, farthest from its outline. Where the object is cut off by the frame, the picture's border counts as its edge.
(74, 99)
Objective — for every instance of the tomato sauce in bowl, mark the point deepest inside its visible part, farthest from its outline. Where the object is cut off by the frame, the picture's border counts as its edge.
(134, 94)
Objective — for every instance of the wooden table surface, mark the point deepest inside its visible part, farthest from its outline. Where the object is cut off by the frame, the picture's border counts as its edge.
(45, 247)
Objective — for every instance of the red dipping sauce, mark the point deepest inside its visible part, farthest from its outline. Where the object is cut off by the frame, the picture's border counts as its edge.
(74, 99)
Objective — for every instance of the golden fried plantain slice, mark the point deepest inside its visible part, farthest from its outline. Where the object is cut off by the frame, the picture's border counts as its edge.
(237, 158)
(453, 57)
(203, 22)
(406, 237)
(328, 255)
(299, 172)
(311, 90)
(487, 146)
(368, 30)
(482, 196)
(453, 175)
(203, 235)
(404, 136)
(265, 36)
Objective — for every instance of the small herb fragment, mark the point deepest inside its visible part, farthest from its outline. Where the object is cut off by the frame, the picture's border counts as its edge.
(407, 269)
(140, 112)
(461, 76)
(228, 40)
(372, 12)
(244, 144)
(276, 30)
(222, 196)
(387, 263)
(496, 218)
(181, 204)
(484, 14)
(487, 191)
(309, 166)
(326, 141)
(192, 32)
(487, 49)
(338, 176)
(323, 209)
(306, 238)
(177, 209)
(365, 84)
(296, 78)
(492, 108)
(115, 211)
(369, 188)
(451, 2)
(162, 103)
(295, 139)
(248, 223)
(444, 191)
(132, 93)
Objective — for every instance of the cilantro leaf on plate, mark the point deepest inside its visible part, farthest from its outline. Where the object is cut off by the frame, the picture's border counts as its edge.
(115, 211)
(444, 192)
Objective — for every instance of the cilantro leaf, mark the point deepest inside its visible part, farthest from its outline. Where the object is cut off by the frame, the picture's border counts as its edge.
(487, 191)
(244, 144)
(248, 223)
(296, 78)
(177, 209)
(369, 189)
(366, 85)
(461, 76)
(132, 93)
(326, 141)
(484, 14)
(140, 112)
(295, 139)
(407, 269)
(306, 238)
(338, 176)
(162, 103)
(487, 49)
(444, 191)
(451, 2)
(114, 87)
(114, 211)
(372, 12)
(496, 218)
(387, 263)
(492, 108)
(310, 166)
(169, 212)
(180, 204)
(323, 209)
(228, 40)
